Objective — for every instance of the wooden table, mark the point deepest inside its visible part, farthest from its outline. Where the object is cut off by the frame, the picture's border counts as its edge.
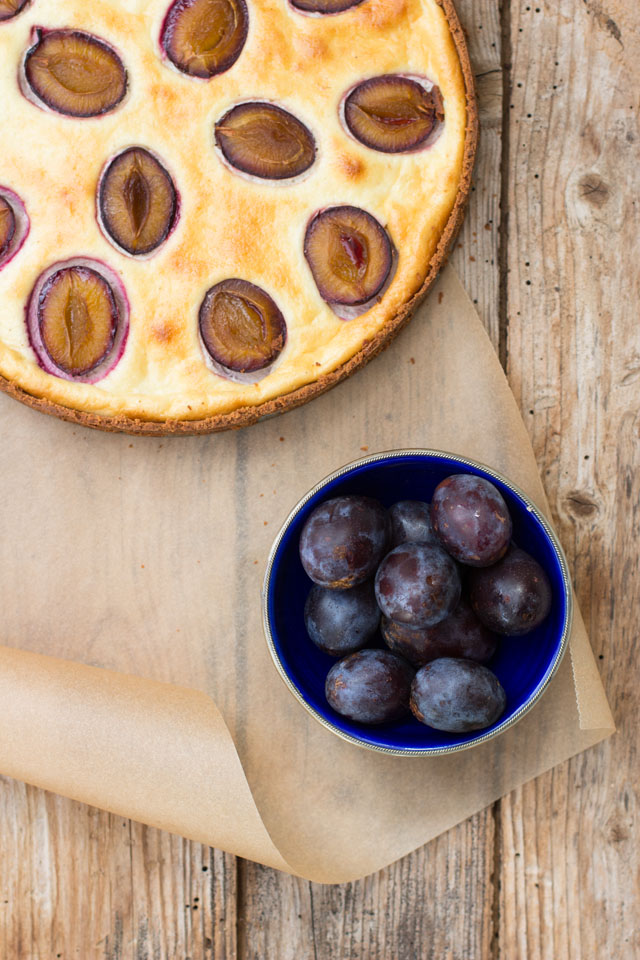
(551, 870)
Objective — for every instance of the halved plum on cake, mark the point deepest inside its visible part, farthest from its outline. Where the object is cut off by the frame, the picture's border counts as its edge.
(350, 255)
(137, 202)
(265, 141)
(73, 73)
(324, 6)
(7, 227)
(393, 113)
(204, 37)
(78, 319)
(11, 8)
(242, 329)
(14, 225)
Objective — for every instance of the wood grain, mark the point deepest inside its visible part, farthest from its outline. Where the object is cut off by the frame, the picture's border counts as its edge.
(78, 882)
(551, 872)
(569, 882)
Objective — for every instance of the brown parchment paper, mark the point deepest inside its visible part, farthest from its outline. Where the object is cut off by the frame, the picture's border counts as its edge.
(135, 674)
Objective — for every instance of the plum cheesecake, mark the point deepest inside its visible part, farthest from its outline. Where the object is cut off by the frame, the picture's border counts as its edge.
(212, 210)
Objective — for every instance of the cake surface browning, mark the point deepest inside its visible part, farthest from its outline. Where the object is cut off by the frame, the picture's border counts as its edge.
(228, 224)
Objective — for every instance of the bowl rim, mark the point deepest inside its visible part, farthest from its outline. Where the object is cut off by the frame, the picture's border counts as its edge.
(531, 508)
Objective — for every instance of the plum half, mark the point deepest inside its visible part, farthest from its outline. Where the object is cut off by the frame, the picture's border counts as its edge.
(393, 114)
(78, 320)
(14, 225)
(324, 6)
(265, 141)
(349, 254)
(7, 227)
(241, 327)
(11, 8)
(204, 37)
(137, 202)
(73, 73)
(77, 315)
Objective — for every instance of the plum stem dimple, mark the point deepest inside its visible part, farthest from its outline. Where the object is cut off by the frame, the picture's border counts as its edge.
(397, 120)
(7, 226)
(73, 74)
(355, 249)
(241, 318)
(281, 137)
(76, 322)
(137, 196)
(212, 33)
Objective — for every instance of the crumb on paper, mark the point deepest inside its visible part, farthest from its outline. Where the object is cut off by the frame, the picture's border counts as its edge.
(281, 439)
(441, 296)
(364, 448)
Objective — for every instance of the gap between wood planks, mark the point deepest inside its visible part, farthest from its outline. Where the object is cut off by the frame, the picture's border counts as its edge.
(503, 354)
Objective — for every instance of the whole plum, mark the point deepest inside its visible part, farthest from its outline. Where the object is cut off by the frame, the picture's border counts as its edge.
(341, 621)
(343, 541)
(411, 523)
(417, 584)
(471, 519)
(371, 686)
(457, 696)
(514, 596)
(460, 635)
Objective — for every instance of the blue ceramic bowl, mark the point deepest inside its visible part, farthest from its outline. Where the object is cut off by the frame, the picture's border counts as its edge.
(524, 665)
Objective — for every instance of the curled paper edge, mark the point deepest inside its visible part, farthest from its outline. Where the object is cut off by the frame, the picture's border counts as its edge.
(103, 738)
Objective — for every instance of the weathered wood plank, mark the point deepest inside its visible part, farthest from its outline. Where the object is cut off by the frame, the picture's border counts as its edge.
(436, 903)
(78, 883)
(568, 864)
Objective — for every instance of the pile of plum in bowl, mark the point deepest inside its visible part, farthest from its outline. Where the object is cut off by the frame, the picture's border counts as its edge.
(416, 602)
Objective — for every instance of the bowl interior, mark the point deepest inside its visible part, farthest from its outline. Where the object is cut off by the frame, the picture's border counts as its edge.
(522, 664)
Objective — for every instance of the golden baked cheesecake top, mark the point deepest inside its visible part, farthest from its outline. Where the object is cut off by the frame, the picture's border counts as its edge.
(208, 204)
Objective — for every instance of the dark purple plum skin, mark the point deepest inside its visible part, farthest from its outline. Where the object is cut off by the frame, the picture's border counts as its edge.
(417, 584)
(411, 523)
(325, 6)
(457, 696)
(371, 686)
(513, 597)
(341, 621)
(471, 519)
(460, 635)
(343, 541)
